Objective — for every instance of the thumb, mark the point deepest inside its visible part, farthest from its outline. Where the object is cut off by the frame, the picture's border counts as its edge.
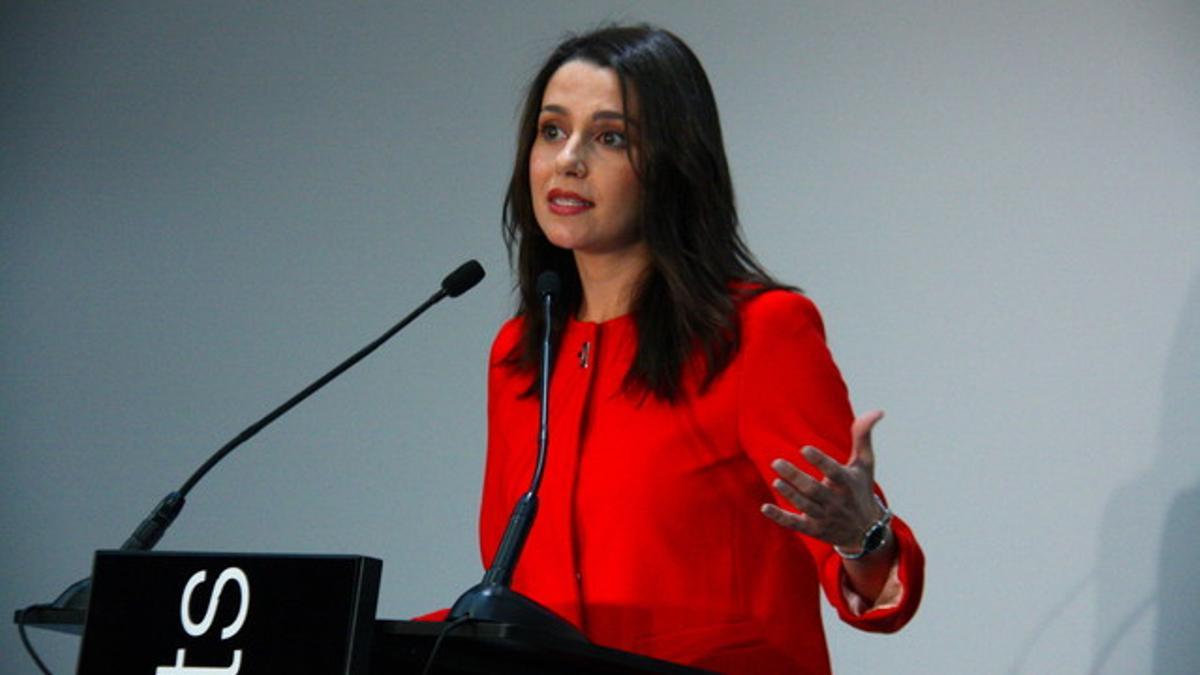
(861, 449)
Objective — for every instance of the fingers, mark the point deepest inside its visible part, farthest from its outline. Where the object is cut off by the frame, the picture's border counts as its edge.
(805, 483)
(861, 450)
(798, 522)
(834, 471)
(799, 499)
(835, 508)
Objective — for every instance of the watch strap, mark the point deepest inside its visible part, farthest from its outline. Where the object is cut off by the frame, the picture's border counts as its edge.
(875, 536)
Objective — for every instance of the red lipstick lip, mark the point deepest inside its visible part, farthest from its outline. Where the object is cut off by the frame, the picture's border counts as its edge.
(567, 209)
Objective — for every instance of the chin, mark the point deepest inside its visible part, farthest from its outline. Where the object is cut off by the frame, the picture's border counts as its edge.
(560, 236)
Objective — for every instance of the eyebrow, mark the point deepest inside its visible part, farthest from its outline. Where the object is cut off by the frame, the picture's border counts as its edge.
(599, 115)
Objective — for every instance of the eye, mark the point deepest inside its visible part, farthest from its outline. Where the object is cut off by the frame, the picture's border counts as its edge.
(550, 131)
(614, 139)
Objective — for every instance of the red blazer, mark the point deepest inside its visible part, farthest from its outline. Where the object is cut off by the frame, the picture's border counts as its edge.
(649, 536)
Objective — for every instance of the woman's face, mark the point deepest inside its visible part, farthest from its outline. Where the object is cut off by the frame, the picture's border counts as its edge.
(586, 194)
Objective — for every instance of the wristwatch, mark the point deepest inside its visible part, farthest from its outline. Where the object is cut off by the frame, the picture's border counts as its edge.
(875, 537)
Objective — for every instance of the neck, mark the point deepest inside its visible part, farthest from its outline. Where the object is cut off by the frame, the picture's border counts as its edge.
(610, 282)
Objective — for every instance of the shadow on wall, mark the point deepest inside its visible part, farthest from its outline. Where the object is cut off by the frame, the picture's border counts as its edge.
(1177, 637)
(1148, 605)
(1146, 584)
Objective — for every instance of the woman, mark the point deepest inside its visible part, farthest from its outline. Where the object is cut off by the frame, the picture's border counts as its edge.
(686, 512)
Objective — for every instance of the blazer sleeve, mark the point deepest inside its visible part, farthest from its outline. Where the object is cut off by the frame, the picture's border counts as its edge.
(493, 508)
(793, 395)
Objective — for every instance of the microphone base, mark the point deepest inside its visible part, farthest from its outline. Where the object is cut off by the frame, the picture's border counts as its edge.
(77, 596)
(501, 604)
(66, 614)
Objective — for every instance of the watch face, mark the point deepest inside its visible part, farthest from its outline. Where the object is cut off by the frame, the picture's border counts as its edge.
(874, 538)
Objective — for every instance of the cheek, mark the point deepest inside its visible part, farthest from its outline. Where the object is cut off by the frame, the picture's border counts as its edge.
(540, 167)
(632, 188)
(630, 191)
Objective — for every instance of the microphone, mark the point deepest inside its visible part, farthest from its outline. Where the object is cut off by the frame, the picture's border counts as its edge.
(463, 279)
(549, 284)
(493, 599)
(70, 606)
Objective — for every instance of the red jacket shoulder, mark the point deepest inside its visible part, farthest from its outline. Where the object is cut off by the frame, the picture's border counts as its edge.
(507, 338)
(780, 309)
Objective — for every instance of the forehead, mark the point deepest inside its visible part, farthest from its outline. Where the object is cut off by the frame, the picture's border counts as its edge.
(582, 86)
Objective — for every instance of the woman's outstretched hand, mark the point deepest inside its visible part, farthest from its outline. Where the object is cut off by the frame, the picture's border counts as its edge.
(840, 508)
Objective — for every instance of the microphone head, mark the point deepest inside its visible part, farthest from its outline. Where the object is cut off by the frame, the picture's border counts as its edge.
(462, 279)
(548, 283)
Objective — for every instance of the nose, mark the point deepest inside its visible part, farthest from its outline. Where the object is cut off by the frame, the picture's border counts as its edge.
(570, 160)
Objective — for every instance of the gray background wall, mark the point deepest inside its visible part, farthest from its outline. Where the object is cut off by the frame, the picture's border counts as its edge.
(203, 206)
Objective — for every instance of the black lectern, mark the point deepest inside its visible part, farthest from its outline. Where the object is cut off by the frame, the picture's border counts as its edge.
(206, 614)
(164, 613)
(502, 649)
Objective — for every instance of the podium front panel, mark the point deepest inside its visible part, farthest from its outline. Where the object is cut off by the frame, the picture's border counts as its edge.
(160, 613)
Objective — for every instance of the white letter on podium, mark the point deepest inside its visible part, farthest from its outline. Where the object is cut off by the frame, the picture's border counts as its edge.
(197, 629)
(180, 669)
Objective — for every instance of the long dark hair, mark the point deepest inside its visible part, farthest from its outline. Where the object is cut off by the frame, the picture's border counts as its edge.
(699, 263)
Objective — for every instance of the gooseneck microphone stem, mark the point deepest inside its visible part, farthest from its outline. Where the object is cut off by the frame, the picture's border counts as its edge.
(155, 525)
(521, 521)
(493, 599)
(250, 431)
(544, 410)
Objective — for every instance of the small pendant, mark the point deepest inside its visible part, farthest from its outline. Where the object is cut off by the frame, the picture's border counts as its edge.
(583, 354)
